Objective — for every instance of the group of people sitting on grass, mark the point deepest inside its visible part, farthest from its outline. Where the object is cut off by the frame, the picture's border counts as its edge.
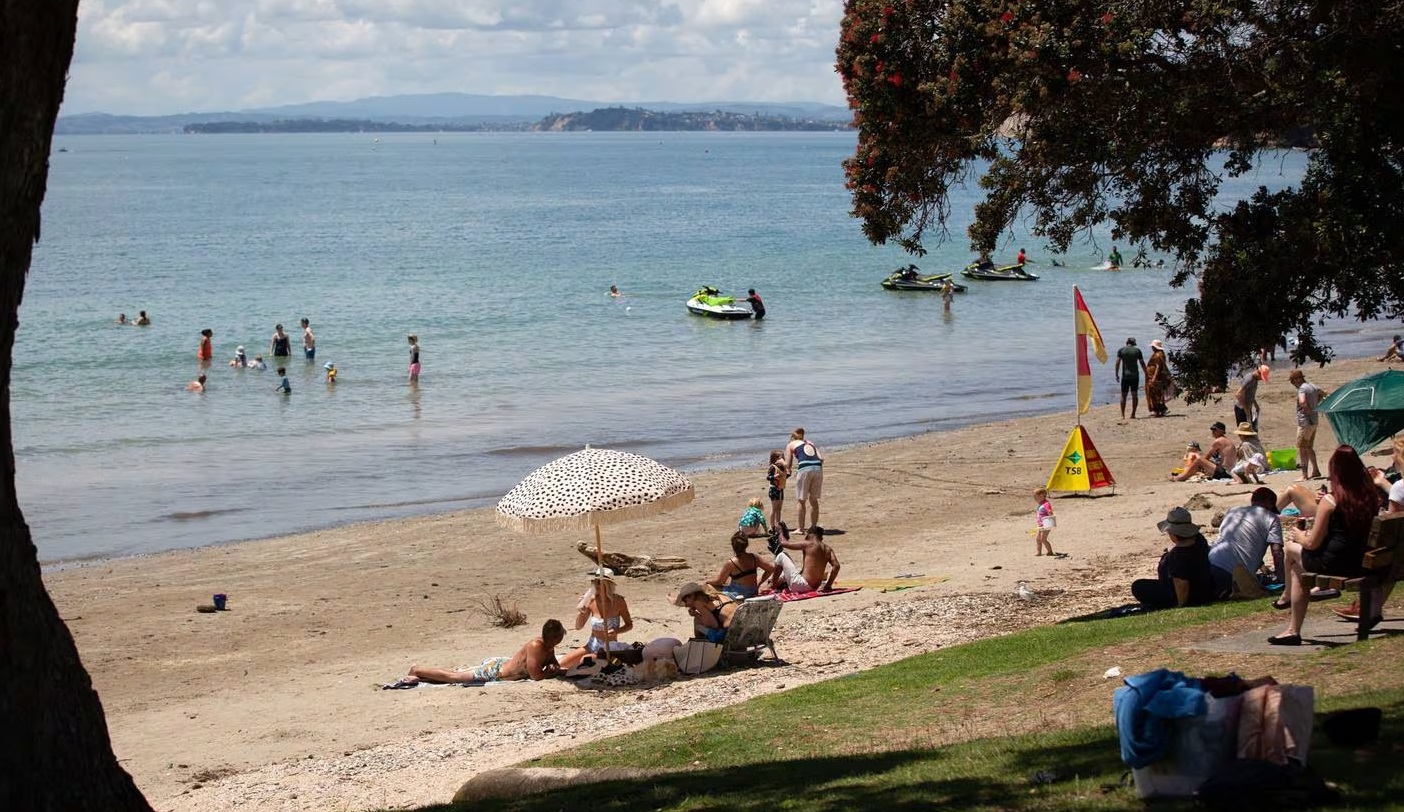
(1326, 533)
(1243, 458)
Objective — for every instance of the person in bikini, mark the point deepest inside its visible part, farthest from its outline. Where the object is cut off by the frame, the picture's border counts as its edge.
(819, 560)
(608, 615)
(738, 575)
(711, 613)
(535, 661)
(1194, 463)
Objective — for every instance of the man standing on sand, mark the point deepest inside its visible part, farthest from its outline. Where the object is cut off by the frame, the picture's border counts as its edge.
(534, 661)
(1245, 407)
(1308, 396)
(1222, 451)
(819, 559)
(309, 341)
(804, 459)
(1130, 363)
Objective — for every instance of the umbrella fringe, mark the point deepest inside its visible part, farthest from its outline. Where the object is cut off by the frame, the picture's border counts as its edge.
(586, 521)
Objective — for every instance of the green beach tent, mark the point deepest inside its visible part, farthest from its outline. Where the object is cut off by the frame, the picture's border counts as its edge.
(1367, 411)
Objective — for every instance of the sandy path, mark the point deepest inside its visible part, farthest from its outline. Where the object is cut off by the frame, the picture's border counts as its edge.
(270, 705)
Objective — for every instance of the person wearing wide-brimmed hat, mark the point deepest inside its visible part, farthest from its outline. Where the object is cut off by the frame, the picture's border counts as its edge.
(607, 613)
(711, 613)
(1183, 574)
(1245, 406)
(1252, 459)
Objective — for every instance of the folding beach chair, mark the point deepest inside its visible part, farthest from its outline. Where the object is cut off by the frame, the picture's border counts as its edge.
(750, 630)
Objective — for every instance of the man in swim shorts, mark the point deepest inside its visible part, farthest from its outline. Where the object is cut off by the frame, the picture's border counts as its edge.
(1127, 360)
(804, 459)
(309, 341)
(535, 661)
(819, 559)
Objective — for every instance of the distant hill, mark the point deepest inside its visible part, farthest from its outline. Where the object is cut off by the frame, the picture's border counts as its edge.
(623, 119)
(437, 110)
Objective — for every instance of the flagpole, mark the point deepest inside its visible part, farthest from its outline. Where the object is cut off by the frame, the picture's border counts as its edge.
(1077, 339)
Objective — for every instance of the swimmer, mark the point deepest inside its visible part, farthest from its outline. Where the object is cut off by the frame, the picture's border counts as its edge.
(239, 359)
(614, 291)
(122, 319)
(197, 385)
(142, 320)
(257, 363)
(331, 372)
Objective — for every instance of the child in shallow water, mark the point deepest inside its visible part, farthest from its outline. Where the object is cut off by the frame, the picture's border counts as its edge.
(1044, 522)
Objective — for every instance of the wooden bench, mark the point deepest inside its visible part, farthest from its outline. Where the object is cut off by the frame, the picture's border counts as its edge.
(1383, 565)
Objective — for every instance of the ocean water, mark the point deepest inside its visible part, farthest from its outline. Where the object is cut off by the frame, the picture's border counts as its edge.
(497, 250)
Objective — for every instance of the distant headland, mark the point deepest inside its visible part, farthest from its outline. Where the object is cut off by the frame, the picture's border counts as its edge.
(605, 119)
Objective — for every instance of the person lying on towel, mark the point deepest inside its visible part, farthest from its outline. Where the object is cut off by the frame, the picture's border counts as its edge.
(536, 661)
(819, 560)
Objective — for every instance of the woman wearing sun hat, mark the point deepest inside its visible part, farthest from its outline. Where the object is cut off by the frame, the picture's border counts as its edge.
(1184, 575)
(1252, 458)
(607, 613)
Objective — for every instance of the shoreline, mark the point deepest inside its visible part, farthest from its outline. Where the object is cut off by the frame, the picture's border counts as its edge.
(270, 706)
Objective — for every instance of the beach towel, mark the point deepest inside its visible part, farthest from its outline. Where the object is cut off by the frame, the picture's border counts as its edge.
(789, 597)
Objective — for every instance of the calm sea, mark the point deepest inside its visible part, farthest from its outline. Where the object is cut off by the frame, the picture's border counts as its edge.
(497, 250)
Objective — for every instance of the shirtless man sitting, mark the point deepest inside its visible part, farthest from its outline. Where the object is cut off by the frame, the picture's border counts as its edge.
(819, 558)
(1222, 451)
(536, 661)
(1194, 463)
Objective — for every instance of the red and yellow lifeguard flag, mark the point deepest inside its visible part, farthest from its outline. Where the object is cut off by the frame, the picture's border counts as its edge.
(1086, 332)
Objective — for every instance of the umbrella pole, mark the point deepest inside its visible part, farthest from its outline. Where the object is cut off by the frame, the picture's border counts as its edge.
(600, 599)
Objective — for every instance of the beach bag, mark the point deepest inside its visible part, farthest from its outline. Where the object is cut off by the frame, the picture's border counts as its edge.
(697, 656)
(1198, 746)
(1275, 723)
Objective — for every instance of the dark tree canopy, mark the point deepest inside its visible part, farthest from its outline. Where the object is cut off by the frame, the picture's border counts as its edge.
(1074, 114)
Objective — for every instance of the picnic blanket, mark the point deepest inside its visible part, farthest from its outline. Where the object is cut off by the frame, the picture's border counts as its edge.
(789, 597)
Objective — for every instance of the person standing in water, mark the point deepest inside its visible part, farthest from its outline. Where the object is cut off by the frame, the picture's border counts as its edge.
(142, 320)
(1114, 259)
(947, 294)
(309, 341)
(414, 358)
(279, 346)
(757, 306)
(206, 351)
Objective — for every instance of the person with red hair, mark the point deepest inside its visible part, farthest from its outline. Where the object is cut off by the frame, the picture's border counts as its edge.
(1335, 544)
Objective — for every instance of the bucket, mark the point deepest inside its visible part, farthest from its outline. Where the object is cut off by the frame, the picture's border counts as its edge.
(1283, 459)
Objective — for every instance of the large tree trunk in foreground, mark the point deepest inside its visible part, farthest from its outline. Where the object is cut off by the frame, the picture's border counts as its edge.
(54, 750)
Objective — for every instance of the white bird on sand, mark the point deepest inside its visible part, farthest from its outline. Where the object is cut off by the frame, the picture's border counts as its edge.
(1024, 593)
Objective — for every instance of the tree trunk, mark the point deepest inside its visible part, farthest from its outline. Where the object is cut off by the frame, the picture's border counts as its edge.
(54, 750)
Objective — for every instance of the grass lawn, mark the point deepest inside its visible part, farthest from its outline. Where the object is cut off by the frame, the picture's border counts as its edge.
(970, 725)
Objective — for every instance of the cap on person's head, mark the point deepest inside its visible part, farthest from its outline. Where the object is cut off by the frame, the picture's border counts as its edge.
(1218, 425)
(239, 350)
(688, 590)
(1179, 523)
(1194, 444)
(1245, 429)
(1265, 498)
(329, 365)
(601, 574)
(1264, 371)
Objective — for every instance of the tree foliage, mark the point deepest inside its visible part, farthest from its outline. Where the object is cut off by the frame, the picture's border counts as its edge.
(1131, 113)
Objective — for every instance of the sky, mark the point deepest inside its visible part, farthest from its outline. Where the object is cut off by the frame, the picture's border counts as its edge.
(151, 57)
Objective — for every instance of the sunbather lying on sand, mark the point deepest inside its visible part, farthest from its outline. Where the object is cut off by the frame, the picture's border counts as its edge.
(536, 660)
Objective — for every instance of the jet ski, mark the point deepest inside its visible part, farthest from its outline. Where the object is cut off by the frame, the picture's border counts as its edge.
(1002, 273)
(708, 301)
(910, 278)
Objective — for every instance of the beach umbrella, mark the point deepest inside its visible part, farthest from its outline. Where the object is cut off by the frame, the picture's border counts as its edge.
(589, 489)
(1366, 411)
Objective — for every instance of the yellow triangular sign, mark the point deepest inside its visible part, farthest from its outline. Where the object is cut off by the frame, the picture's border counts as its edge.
(1080, 469)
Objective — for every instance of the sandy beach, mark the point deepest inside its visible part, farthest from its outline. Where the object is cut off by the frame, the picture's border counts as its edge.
(273, 705)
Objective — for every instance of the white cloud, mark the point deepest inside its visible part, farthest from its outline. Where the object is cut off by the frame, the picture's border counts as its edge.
(164, 56)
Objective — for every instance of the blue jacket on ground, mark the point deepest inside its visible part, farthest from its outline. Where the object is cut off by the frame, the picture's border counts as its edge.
(1144, 708)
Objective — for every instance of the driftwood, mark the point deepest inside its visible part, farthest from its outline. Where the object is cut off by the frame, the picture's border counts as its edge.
(634, 566)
